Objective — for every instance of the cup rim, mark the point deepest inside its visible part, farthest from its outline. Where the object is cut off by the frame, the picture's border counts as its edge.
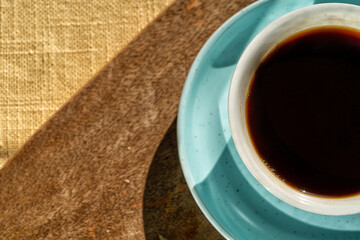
(245, 66)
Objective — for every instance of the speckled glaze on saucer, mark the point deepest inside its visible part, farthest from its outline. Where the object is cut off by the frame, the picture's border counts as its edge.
(230, 197)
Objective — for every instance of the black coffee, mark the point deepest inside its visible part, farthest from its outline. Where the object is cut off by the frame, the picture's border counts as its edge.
(303, 111)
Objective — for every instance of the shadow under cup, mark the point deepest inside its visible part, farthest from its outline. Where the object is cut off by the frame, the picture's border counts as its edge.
(317, 16)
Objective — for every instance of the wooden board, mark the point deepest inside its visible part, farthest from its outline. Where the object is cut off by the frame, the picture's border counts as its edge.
(83, 175)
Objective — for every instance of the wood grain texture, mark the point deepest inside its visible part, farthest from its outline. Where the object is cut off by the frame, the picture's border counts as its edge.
(168, 207)
(83, 174)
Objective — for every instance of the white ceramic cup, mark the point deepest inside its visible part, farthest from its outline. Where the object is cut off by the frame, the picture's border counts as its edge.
(329, 14)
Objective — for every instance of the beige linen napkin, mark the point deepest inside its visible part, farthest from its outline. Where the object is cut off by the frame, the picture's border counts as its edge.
(49, 49)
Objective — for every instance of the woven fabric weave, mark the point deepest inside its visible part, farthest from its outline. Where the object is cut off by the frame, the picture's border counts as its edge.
(49, 49)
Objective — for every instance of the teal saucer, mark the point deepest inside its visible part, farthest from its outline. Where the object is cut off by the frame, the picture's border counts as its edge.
(229, 196)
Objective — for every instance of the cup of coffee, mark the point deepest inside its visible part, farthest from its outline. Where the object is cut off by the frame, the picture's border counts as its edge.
(294, 108)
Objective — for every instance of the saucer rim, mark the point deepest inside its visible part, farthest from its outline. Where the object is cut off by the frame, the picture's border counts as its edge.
(183, 102)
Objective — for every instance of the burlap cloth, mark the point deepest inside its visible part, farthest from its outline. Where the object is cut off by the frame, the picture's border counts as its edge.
(49, 49)
(105, 165)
